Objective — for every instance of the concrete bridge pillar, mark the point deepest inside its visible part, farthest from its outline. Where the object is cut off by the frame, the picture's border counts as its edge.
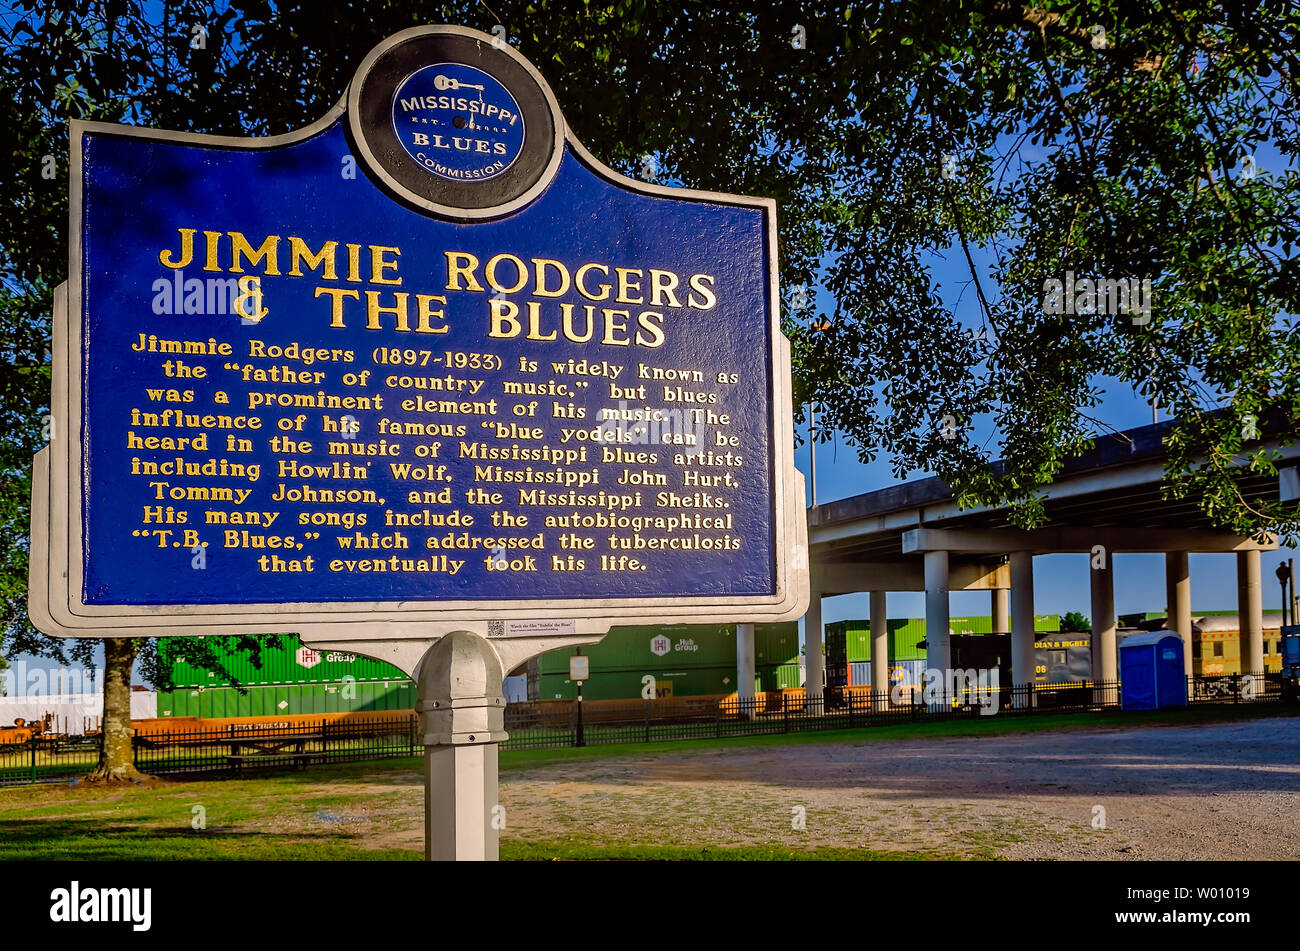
(1178, 604)
(938, 651)
(814, 659)
(1000, 612)
(1022, 625)
(880, 649)
(1250, 612)
(1105, 668)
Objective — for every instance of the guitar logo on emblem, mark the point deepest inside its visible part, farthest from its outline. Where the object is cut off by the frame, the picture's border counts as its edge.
(457, 122)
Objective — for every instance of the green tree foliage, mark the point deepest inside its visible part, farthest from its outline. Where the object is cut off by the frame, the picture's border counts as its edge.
(1075, 623)
(103, 61)
(51, 73)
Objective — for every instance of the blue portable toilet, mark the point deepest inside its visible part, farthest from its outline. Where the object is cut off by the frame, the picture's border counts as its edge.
(1151, 671)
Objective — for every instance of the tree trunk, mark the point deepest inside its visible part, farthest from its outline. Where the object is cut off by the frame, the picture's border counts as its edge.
(116, 762)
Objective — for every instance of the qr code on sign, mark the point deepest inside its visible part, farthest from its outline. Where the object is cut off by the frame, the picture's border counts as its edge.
(496, 628)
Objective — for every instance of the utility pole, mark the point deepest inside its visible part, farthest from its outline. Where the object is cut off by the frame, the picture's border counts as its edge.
(812, 449)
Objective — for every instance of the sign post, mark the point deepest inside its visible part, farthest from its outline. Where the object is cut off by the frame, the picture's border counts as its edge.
(462, 720)
(579, 670)
(423, 381)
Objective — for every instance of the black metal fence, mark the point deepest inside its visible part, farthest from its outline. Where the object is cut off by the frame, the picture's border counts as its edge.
(238, 748)
(231, 749)
(242, 746)
(549, 725)
(48, 759)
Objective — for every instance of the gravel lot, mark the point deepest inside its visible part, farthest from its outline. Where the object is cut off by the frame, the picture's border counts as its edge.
(1221, 791)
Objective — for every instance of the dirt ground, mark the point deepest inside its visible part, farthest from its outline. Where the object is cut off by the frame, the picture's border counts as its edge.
(1222, 791)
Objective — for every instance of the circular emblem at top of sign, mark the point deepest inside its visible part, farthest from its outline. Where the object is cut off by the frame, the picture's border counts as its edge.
(455, 122)
(458, 123)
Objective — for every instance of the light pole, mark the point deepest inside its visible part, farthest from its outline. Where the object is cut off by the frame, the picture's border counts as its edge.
(579, 670)
(1283, 576)
(812, 450)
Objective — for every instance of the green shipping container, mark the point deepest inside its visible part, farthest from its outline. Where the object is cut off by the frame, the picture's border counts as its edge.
(904, 635)
(289, 664)
(285, 699)
(779, 677)
(1044, 623)
(684, 661)
(677, 646)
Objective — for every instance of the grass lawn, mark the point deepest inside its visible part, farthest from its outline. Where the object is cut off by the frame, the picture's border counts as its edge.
(330, 813)
(287, 816)
(975, 726)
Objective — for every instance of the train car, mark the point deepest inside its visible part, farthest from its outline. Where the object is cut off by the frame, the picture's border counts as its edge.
(295, 686)
(1216, 640)
(290, 682)
(289, 664)
(1060, 658)
(983, 652)
(847, 648)
(23, 731)
(278, 700)
(1063, 658)
(1216, 645)
(1216, 648)
(974, 646)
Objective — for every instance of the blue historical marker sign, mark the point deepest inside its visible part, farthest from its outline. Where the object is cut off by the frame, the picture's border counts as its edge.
(427, 353)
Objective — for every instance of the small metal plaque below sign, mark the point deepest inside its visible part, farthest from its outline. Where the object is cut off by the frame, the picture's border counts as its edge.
(540, 628)
(579, 667)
